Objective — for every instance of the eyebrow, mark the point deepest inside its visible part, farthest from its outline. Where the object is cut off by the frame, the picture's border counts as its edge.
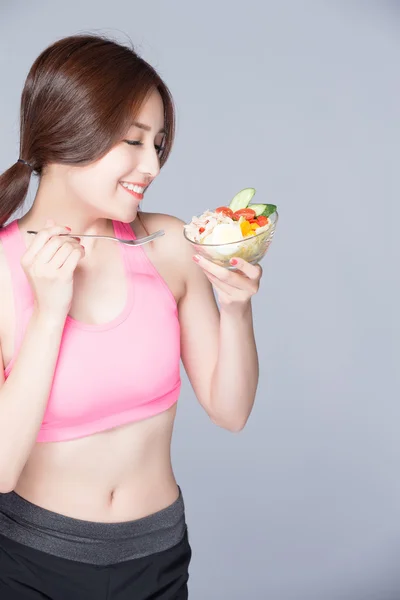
(145, 127)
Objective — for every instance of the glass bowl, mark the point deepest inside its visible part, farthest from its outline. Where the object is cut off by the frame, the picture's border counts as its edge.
(252, 249)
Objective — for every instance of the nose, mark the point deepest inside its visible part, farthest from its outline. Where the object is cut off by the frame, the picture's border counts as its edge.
(149, 164)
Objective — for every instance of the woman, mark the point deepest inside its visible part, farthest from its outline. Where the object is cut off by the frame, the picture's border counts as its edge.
(92, 332)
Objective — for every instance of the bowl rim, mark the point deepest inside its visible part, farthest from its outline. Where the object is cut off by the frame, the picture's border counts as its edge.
(251, 237)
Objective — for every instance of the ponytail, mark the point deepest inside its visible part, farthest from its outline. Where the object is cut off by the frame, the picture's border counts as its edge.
(14, 184)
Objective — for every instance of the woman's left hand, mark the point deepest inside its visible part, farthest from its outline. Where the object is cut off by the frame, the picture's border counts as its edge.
(234, 288)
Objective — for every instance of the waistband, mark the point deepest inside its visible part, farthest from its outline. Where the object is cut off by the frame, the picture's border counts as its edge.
(87, 541)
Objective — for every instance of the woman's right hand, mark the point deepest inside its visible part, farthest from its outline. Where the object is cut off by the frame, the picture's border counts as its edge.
(49, 264)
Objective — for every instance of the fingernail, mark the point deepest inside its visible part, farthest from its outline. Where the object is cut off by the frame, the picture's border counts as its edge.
(196, 258)
(233, 261)
(69, 228)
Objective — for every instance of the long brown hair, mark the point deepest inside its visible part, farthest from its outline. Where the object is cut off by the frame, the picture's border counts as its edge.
(79, 99)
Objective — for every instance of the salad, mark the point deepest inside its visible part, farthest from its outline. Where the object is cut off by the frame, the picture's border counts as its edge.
(234, 223)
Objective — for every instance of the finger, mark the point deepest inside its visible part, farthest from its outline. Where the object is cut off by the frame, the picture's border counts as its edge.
(251, 271)
(63, 253)
(217, 283)
(226, 293)
(40, 239)
(233, 278)
(51, 247)
(222, 273)
(71, 262)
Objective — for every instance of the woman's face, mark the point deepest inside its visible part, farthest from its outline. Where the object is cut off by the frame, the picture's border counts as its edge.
(113, 186)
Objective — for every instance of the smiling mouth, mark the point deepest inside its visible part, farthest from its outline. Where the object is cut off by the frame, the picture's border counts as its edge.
(135, 189)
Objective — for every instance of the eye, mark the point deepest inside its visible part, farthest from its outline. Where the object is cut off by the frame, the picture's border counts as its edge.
(158, 147)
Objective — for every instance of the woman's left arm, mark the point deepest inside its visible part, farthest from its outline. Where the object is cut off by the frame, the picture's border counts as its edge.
(218, 347)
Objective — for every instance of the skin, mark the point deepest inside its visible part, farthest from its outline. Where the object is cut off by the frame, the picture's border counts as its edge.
(126, 473)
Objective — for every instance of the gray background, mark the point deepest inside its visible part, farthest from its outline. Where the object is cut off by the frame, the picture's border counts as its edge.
(301, 101)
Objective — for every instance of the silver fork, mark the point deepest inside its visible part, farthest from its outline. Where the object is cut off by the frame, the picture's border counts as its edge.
(137, 242)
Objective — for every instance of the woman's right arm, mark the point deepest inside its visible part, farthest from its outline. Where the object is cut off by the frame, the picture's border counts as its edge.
(49, 264)
(24, 395)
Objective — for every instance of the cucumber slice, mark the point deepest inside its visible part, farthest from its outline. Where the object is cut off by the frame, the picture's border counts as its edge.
(267, 209)
(242, 199)
(258, 208)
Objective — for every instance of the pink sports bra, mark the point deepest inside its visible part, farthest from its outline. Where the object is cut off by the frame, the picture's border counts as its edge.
(102, 379)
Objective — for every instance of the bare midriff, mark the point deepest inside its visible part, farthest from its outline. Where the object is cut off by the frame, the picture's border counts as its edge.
(113, 476)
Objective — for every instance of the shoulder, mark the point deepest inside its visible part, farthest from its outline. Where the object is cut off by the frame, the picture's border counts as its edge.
(172, 254)
(177, 247)
(153, 221)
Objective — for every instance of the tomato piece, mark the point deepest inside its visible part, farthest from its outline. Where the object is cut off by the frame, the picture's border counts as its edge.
(247, 213)
(225, 210)
(201, 229)
(262, 221)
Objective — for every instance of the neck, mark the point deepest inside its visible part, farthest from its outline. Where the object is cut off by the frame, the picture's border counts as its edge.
(52, 201)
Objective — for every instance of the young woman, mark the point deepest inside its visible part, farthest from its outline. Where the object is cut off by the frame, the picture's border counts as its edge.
(91, 336)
